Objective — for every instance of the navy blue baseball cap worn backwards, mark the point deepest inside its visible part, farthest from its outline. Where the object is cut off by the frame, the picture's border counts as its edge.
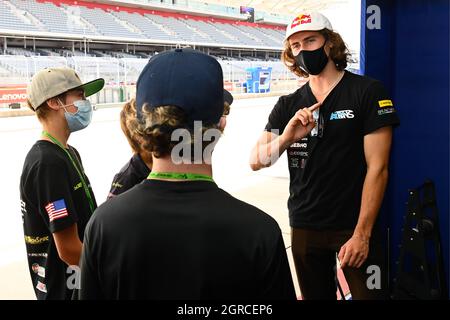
(185, 78)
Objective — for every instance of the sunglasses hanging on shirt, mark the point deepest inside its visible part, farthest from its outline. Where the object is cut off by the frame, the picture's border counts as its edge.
(318, 120)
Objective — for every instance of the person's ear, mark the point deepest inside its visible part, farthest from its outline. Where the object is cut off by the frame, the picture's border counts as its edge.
(222, 123)
(54, 104)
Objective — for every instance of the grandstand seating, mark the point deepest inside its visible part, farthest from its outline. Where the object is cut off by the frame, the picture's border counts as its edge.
(119, 66)
(51, 17)
(114, 66)
(177, 28)
(147, 27)
(11, 21)
(31, 15)
(215, 34)
(107, 25)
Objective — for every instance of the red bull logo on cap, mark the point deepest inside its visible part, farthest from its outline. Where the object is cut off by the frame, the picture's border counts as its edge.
(301, 19)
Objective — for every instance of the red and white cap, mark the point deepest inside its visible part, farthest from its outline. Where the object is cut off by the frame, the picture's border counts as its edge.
(313, 21)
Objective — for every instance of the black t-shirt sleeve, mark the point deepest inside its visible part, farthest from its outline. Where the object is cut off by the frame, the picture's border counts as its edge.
(54, 197)
(377, 109)
(276, 275)
(133, 173)
(90, 288)
(277, 118)
(116, 186)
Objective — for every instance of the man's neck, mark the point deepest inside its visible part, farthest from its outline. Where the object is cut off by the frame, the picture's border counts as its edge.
(326, 78)
(57, 130)
(166, 165)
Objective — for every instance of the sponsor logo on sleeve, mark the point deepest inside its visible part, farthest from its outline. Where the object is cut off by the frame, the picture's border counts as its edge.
(385, 103)
(385, 111)
(116, 185)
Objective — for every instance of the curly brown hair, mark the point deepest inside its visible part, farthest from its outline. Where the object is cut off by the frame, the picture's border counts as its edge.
(339, 53)
(158, 126)
(154, 130)
(153, 133)
(226, 108)
(129, 126)
(131, 130)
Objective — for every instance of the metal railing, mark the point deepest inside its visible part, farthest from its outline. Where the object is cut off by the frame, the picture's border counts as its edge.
(121, 74)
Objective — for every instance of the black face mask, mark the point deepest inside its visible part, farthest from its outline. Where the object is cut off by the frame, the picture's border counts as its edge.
(312, 62)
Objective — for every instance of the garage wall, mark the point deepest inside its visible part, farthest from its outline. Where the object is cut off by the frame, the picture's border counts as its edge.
(410, 54)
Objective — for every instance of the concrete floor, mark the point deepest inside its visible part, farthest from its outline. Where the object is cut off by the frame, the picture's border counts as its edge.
(102, 140)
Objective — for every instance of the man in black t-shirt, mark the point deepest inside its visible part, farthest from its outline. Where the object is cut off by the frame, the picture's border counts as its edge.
(337, 131)
(56, 196)
(177, 235)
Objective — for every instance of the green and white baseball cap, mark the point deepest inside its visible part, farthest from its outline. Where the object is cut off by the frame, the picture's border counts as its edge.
(51, 82)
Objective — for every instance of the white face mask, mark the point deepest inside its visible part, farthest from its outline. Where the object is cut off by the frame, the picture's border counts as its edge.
(80, 119)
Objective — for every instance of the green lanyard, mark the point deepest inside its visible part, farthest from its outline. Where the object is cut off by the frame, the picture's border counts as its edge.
(180, 176)
(83, 182)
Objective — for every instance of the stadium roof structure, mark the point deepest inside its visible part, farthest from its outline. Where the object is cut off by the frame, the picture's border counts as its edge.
(285, 7)
(124, 22)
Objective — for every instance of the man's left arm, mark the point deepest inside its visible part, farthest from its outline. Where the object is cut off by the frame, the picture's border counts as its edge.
(377, 147)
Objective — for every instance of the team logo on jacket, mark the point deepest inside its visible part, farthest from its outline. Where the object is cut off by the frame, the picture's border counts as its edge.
(342, 114)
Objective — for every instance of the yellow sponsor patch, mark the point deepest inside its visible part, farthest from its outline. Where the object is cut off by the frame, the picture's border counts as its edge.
(385, 103)
(35, 240)
(78, 186)
(117, 185)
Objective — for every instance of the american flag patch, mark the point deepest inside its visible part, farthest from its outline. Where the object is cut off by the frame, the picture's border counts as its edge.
(56, 210)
